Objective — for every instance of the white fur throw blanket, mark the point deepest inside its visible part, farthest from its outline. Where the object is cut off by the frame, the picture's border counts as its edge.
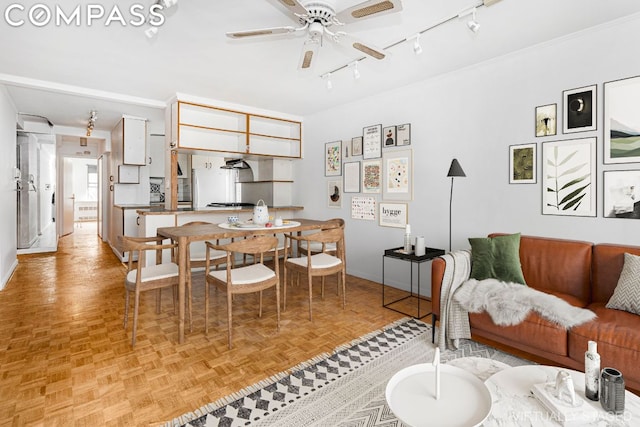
(510, 303)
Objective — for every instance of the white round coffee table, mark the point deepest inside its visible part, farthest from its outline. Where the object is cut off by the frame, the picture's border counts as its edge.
(513, 404)
(464, 399)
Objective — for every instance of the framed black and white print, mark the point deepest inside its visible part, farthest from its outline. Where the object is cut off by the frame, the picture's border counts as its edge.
(356, 146)
(579, 109)
(333, 158)
(403, 134)
(389, 136)
(622, 121)
(334, 193)
(569, 177)
(546, 120)
(372, 142)
(621, 194)
(352, 177)
(522, 164)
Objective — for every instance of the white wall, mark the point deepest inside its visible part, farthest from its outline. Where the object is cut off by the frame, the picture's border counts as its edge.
(474, 115)
(8, 260)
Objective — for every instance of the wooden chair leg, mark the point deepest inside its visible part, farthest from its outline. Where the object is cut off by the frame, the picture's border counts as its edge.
(344, 290)
(310, 294)
(278, 305)
(322, 289)
(189, 303)
(284, 284)
(159, 300)
(126, 309)
(136, 306)
(260, 304)
(206, 307)
(229, 300)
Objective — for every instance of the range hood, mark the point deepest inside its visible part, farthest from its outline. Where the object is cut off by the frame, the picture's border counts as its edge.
(235, 164)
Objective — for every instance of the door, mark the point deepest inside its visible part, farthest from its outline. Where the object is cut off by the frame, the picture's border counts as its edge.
(67, 197)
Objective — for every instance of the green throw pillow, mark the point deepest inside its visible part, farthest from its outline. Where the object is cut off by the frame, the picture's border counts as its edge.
(496, 257)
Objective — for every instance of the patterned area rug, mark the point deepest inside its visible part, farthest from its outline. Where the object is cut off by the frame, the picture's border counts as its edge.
(346, 388)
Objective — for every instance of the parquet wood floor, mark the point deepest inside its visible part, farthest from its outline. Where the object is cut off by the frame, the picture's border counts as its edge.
(65, 359)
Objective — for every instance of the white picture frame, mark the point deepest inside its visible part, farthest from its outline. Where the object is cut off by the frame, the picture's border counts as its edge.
(397, 175)
(393, 215)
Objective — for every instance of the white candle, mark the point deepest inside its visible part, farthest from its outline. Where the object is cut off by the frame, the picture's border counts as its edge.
(436, 364)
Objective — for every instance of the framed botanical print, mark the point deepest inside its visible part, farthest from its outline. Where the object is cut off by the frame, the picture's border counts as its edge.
(371, 176)
(622, 121)
(372, 142)
(397, 174)
(522, 164)
(352, 177)
(546, 119)
(579, 109)
(333, 158)
(622, 194)
(569, 177)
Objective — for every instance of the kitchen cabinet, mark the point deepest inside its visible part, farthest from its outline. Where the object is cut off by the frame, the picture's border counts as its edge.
(156, 156)
(124, 221)
(206, 162)
(129, 141)
(203, 127)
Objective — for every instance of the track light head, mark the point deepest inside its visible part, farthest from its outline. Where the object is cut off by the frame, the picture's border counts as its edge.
(329, 84)
(417, 48)
(473, 25)
(356, 72)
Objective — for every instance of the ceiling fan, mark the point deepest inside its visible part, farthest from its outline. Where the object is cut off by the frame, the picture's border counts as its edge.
(317, 17)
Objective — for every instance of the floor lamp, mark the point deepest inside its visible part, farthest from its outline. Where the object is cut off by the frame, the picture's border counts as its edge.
(455, 171)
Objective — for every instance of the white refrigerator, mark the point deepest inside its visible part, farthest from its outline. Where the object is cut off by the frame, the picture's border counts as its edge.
(213, 185)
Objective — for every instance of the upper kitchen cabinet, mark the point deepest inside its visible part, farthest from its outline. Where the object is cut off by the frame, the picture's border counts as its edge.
(129, 141)
(156, 156)
(203, 127)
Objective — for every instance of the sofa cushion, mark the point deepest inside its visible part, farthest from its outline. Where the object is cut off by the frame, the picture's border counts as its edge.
(540, 333)
(617, 334)
(626, 296)
(608, 260)
(496, 258)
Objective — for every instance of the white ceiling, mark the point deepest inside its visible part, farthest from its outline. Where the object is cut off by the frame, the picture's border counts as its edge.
(63, 72)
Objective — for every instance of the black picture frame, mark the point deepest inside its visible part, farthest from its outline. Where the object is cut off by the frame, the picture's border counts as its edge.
(579, 108)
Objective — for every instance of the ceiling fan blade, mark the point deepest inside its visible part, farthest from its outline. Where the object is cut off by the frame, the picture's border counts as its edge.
(260, 32)
(294, 6)
(369, 9)
(362, 47)
(308, 55)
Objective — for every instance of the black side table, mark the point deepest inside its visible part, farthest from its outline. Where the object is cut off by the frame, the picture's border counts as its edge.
(397, 253)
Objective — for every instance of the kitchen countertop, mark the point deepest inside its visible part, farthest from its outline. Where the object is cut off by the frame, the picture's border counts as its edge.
(161, 210)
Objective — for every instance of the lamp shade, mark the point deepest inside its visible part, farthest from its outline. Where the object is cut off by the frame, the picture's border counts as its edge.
(455, 170)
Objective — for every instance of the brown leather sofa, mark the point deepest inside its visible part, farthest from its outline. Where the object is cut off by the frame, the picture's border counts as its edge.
(583, 274)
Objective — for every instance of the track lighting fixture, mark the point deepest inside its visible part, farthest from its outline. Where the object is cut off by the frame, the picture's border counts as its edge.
(417, 49)
(473, 24)
(356, 72)
(329, 84)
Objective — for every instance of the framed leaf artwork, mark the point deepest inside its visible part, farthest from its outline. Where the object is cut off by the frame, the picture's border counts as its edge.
(569, 175)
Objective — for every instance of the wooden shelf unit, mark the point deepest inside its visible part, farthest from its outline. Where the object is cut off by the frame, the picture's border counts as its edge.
(208, 128)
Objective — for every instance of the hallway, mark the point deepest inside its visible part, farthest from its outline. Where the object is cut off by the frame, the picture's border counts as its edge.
(66, 360)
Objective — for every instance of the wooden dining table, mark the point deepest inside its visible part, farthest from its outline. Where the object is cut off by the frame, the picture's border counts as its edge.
(184, 235)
